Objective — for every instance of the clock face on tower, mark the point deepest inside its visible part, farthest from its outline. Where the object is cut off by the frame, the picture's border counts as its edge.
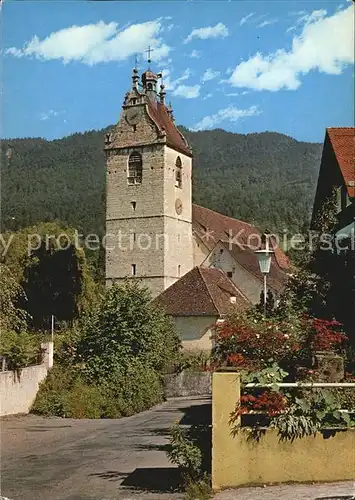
(132, 116)
(178, 206)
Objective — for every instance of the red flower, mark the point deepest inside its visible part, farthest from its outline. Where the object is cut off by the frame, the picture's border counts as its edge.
(269, 402)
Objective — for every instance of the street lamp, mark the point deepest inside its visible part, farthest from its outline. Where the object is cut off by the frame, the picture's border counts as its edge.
(264, 259)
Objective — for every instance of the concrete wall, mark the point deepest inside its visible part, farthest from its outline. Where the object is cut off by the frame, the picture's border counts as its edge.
(238, 461)
(18, 390)
(187, 383)
(196, 331)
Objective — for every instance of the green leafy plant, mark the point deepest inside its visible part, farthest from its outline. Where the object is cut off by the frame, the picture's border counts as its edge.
(12, 317)
(310, 411)
(269, 375)
(184, 452)
(20, 349)
(198, 490)
(125, 325)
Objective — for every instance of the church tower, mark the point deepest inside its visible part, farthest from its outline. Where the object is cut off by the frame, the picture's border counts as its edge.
(148, 212)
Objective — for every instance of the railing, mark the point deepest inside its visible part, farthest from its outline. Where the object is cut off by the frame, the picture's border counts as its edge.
(303, 384)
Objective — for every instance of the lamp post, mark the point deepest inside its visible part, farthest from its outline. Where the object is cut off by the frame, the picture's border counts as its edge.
(264, 259)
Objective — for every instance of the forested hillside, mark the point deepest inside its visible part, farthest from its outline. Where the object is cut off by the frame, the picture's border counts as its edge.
(267, 178)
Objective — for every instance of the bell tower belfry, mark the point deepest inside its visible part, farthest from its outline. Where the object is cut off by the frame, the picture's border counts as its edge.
(149, 198)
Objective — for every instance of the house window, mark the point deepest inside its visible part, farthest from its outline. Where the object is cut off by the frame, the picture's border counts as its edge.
(230, 274)
(133, 205)
(135, 168)
(178, 172)
(133, 267)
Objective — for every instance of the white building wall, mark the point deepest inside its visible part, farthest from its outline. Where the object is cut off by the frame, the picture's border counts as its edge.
(196, 331)
(247, 283)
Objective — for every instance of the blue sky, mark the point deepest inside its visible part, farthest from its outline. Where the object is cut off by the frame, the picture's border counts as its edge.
(242, 66)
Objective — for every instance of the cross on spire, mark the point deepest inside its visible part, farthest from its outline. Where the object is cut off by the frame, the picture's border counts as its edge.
(149, 51)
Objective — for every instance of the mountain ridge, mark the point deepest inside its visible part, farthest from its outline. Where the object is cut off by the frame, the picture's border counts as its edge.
(265, 178)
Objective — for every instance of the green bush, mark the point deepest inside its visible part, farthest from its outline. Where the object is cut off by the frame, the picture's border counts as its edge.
(51, 399)
(126, 325)
(20, 349)
(66, 393)
(193, 361)
(84, 401)
(134, 388)
(111, 364)
(184, 452)
(198, 490)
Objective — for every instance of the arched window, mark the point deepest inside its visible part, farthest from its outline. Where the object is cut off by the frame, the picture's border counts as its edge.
(135, 168)
(178, 172)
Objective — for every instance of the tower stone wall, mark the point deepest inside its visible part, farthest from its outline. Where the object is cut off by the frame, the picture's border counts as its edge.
(148, 223)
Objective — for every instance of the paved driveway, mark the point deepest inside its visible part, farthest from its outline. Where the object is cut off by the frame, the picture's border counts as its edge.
(64, 459)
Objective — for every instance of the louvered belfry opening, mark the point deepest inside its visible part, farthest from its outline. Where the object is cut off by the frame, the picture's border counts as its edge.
(178, 172)
(135, 168)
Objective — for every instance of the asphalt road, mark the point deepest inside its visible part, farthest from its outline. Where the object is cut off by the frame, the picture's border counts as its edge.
(65, 459)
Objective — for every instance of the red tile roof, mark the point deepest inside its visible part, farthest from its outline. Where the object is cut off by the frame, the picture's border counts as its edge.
(161, 117)
(342, 140)
(202, 292)
(212, 227)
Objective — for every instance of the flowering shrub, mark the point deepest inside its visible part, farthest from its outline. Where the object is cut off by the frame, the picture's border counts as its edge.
(254, 343)
(269, 402)
(326, 335)
(251, 343)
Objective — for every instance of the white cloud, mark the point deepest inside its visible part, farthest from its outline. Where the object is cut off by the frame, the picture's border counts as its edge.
(187, 91)
(209, 74)
(245, 19)
(237, 94)
(267, 22)
(172, 84)
(291, 28)
(297, 13)
(325, 44)
(195, 54)
(207, 96)
(306, 18)
(220, 30)
(95, 43)
(178, 89)
(231, 114)
(50, 114)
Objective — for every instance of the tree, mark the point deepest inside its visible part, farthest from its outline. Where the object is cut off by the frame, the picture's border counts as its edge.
(52, 269)
(125, 327)
(12, 317)
(324, 284)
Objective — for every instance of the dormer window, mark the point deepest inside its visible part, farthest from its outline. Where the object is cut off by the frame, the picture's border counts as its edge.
(178, 172)
(134, 101)
(134, 168)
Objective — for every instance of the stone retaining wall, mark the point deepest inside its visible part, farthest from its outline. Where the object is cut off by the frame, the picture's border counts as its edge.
(188, 383)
